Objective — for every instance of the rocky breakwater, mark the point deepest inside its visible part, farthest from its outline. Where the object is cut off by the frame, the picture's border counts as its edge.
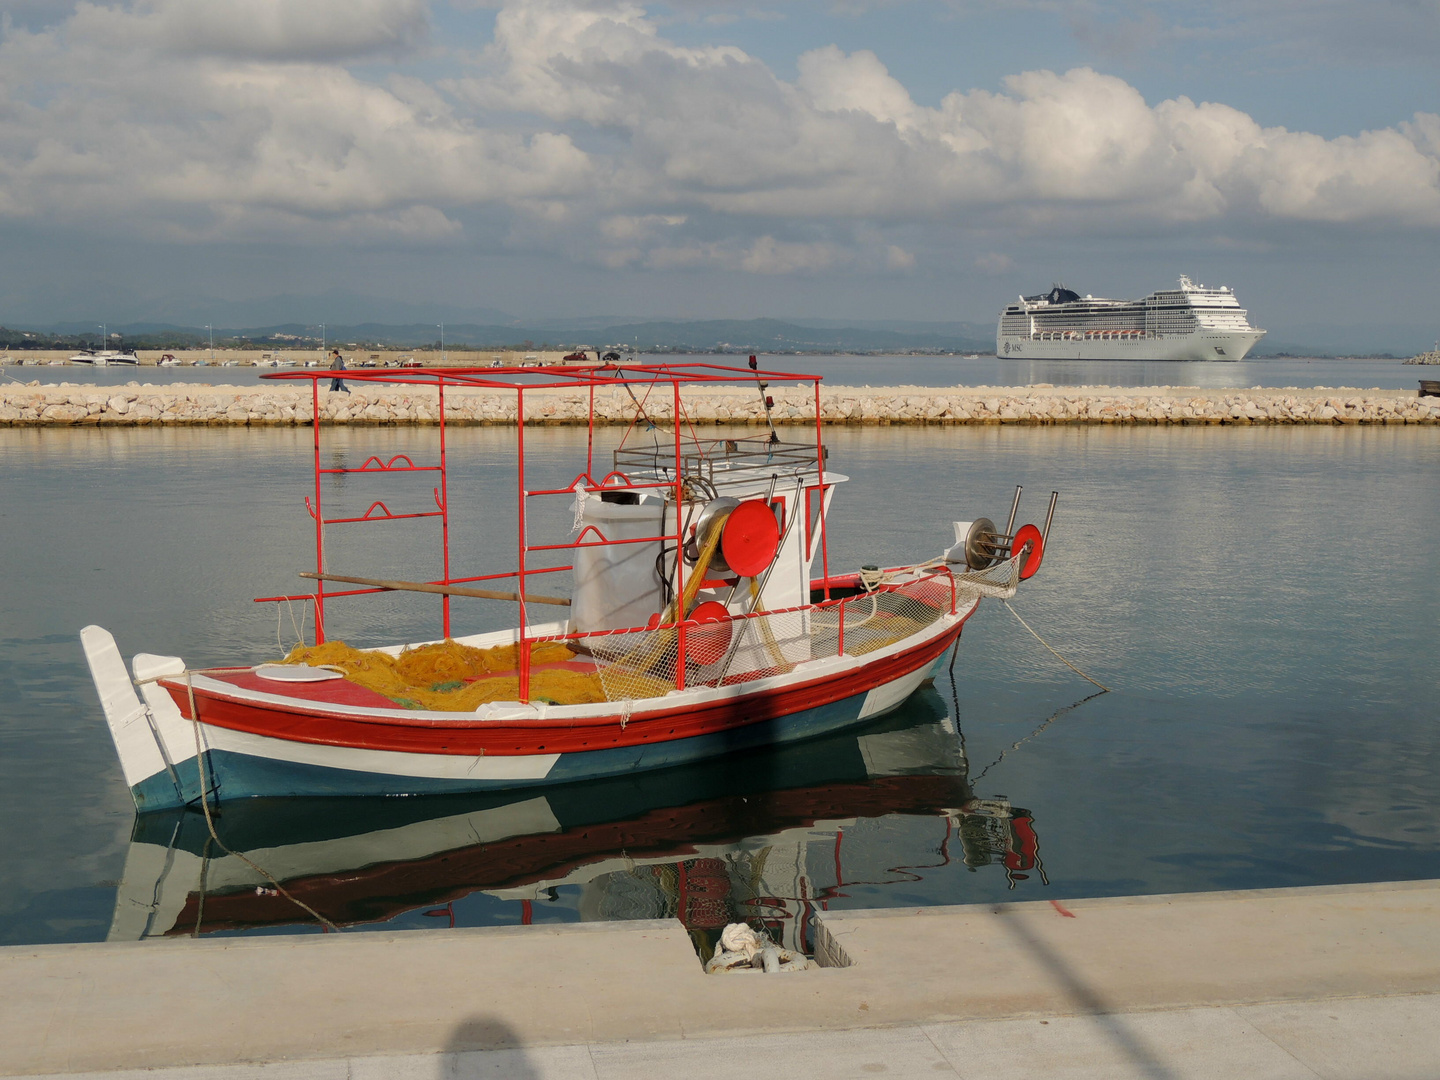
(281, 404)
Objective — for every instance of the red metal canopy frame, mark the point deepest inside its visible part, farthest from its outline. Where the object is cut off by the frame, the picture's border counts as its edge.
(518, 380)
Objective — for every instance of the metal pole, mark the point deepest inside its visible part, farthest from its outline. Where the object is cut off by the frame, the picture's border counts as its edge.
(820, 474)
(680, 611)
(1049, 517)
(1014, 509)
(444, 511)
(319, 522)
(524, 617)
(590, 437)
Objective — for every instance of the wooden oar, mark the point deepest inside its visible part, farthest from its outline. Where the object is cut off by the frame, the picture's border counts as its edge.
(443, 590)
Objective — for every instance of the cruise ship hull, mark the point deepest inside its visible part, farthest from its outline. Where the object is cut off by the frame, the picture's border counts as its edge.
(1203, 345)
(1191, 323)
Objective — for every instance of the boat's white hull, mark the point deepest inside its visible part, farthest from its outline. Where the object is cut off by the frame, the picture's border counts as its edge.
(248, 755)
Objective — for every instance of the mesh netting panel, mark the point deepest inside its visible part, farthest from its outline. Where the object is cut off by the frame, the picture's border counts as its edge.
(884, 618)
(637, 664)
(999, 580)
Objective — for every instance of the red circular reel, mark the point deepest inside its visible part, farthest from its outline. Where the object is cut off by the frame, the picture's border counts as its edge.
(751, 538)
(1029, 534)
(708, 632)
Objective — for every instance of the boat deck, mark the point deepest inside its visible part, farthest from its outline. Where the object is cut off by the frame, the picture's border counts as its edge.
(345, 692)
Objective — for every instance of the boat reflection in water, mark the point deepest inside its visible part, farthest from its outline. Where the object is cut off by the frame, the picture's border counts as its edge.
(769, 837)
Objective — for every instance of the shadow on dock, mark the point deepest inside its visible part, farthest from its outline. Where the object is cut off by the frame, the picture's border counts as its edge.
(485, 1046)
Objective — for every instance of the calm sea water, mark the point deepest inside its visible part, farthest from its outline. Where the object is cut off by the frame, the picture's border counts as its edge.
(902, 371)
(1262, 602)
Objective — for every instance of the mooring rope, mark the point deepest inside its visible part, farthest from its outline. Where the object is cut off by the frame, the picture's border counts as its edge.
(1057, 656)
(205, 804)
(1048, 721)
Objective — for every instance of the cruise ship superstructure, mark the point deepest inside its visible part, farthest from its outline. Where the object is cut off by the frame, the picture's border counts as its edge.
(1193, 322)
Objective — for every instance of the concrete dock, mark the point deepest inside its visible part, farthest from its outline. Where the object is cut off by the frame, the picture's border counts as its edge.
(289, 404)
(1335, 982)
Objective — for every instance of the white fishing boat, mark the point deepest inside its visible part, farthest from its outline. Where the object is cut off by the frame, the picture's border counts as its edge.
(704, 618)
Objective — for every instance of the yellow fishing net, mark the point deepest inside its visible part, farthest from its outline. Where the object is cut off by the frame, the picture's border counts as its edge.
(451, 677)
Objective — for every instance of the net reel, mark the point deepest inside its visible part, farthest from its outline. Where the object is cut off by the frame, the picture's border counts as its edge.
(979, 545)
(749, 537)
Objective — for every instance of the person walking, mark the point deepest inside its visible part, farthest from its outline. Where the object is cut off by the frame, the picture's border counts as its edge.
(337, 363)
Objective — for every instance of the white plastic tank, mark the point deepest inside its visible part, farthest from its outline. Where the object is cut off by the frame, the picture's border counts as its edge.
(616, 585)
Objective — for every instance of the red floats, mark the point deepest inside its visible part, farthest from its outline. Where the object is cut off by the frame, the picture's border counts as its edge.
(751, 538)
(1028, 534)
(708, 632)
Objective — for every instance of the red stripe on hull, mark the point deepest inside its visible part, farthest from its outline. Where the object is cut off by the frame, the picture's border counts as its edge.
(469, 738)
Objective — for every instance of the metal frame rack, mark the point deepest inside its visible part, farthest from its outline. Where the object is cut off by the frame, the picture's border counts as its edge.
(691, 456)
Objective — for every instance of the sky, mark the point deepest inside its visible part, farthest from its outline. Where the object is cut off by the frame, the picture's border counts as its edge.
(919, 160)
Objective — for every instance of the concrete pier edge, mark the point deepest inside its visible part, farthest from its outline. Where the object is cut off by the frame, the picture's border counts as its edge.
(289, 404)
(1301, 980)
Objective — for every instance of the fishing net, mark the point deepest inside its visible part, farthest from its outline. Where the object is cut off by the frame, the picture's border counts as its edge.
(635, 665)
(646, 663)
(450, 677)
(999, 581)
(879, 619)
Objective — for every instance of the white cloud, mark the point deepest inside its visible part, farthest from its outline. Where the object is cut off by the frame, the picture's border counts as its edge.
(587, 130)
(265, 29)
(199, 148)
(994, 263)
(770, 256)
(897, 258)
(835, 82)
(714, 128)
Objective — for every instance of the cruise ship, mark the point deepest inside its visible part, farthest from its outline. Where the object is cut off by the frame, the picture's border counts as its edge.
(1193, 322)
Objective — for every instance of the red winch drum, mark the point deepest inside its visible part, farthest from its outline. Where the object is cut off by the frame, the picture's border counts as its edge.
(1029, 534)
(750, 539)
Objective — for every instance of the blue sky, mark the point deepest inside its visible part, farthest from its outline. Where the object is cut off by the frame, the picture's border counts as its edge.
(870, 160)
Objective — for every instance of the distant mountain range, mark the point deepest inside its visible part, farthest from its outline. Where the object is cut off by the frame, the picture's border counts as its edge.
(719, 335)
(179, 320)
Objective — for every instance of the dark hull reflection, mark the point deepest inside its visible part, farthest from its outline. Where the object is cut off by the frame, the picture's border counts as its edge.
(767, 837)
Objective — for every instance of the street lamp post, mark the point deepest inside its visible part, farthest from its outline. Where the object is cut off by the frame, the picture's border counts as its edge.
(211, 330)
(442, 342)
(104, 340)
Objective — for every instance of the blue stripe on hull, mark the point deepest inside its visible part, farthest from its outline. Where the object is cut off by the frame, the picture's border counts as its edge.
(238, 776)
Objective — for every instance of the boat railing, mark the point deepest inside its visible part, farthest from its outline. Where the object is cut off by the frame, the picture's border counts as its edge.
(638, 662)
(717, 460)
